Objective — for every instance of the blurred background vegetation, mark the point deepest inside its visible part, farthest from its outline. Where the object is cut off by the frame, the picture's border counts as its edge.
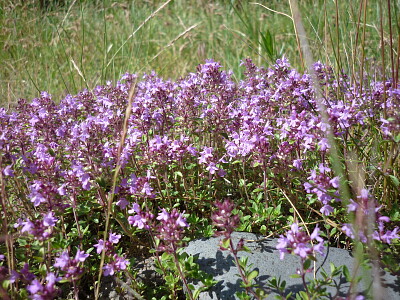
(63, 46)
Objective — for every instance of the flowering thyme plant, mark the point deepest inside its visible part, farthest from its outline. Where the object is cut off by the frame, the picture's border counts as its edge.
(261, 142)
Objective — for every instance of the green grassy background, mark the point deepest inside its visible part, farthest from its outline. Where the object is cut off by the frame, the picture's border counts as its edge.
(63, 46)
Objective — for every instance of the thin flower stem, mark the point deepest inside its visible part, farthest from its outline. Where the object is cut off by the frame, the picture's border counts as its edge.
(76, 290)
(10, 254)
(245, 185)
(76, 220)
(248, 289)
(295, 209)
(284, 227)
(183, 277)
(265, 184)
(112, 192)
(303, 278)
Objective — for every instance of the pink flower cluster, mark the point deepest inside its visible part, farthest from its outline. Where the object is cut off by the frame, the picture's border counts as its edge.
(363, 208)
(169, 230)
(72, 267)
(298, 242)
(116, 263)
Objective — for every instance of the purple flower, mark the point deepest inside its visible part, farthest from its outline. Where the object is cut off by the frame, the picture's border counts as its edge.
(114, 238)
(116, 264)
(223, 218)
(135, 208)
(141, 219)
(323, 144)
(181, 221)
(81, 256)
(335, 182)
(326, 209)
(46, 290)
(62, 261)
(348, 230)
(109, 269)
(221, 173)
(298, 163)
(352, 206)
(147, 189)
(72, 267)
(122, 203)
(99, 246)
(163, 215)
(298, 242)
(51, 279)
(205, 155)
(27, 226)
(14, 276)
(26, 274)
(169, 231)
(363, 194)
(282, 246)
(121, 263)
(36, 196)
(212, 168)
(61, 190)
(138, 221)
(40, 229)
(35, 287)
(8, 171)
(324, 169)
(49, 220)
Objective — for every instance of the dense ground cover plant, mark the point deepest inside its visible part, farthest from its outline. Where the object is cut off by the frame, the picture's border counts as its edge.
(185, 144)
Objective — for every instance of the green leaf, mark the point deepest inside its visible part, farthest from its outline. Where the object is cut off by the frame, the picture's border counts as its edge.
(312, 257)
(273, 282)
(263, 229)
(38, 258)
(166, 256)
(6, 284)
(307, 264)
(196, 293)
(333, 231)
(268, 43)
(226, 243)
(246, 249)
(283, 285)
(252, 275)
(243, 262)
(261, 294)
(169, 279)
(346, 273)
(256, 164)
(178, 173)
(324, 274)
(242, 296)
(395, 180)
(333, 268)
(303, 295)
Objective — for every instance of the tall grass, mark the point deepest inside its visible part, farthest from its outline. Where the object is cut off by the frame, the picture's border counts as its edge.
(69, 45)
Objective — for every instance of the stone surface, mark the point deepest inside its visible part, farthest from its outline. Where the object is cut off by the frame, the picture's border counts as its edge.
(265, 258)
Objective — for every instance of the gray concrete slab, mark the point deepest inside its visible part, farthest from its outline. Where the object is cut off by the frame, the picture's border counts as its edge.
(265, 258)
